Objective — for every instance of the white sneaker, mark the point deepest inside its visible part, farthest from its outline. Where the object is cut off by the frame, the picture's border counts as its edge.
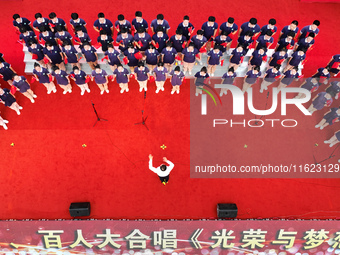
(5, 121)
(121, 91)
(145, 89)
(162, 89)
(177, 91)
(35, 96)
(18, 112)
(317, 126)
(196, 94)
(322, 127)
(64, 92)
(190, 73)
(157, 91)
(107, 91)
(88, 90)
(200, 63)
(5, 126)
(102, 92)
(20, 107)
(212, 74)
(69, 91)
(127, 89)
(331, 145)
(221, 94)
(172, 92)
(326, 141)
(32, 101)
(49, 92)
(140, 89)
(54, 90)
(261, 90)
(82, 92)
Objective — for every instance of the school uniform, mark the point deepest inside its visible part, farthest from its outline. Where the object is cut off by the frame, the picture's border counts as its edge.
(44, 23)
(304, 44)
(177, 43)
(229, 29)
(59, 22)
(321, 100)
(257, 58)
(266, 28)
(200, 79)
(164, 24)
(151, 57)
(142, 75)
(126, 25)
(71, 55)
(83, 38)
(277, 59)
(169, 55)
(144, 39)
(61, 77)
(125, 40)
(163, 175)
(80, 78)
(100, 78)
(22, 84)
(229, 79)
(189, 56)
(54, 55)
(142, 24)
(185, 29)
(113, 57)
(335, 59)
(121, 77)
(219, 41)
(252, 77)
(131, 57)
(49, 37)
(176, 79)
(245, 28)
(236, 56)
(2, 57)
(320, 76)
(296, 59)
(332, 116)
(284, 43)
(214, 57)
(161, 41)
(310, 85)
(305, 31)
(42, 75)
(209, 31)
(198, 43)
(334, 88)
(285, 30)
(6, 72)
(80, 22)
(160, 74)
(270, 75)
(288, 77)
(29, 37)
(23, 23)
(7, 98)
(64, 36)
(107, 25)
(104, 42)
(263, 42)
(90, 55)
(244, 42)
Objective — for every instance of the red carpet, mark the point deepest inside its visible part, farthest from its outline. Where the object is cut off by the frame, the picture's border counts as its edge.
(47, 168)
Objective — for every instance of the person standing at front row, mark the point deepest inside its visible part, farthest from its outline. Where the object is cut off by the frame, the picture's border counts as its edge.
(177, 77)
(162, 171)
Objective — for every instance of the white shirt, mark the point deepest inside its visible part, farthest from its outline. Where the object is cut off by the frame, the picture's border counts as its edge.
(158, 170)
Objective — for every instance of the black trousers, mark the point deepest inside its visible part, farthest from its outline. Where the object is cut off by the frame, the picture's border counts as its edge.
(164, 179)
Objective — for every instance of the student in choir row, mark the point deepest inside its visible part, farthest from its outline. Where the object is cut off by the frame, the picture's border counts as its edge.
(246, 40)
(334, 89)
(296, 59)
(55, 21)
(42, 75)
(321, 100)
(287, 42)
(329, 118)
(26, 36)
(334, 65)
(104, 40)
(210, 30)
(81, 37)
(223, 41)
(130, 58)
(75, 21)
(229, 27)
(186, 27)
(160, 22)
(3, 123)
(70, 54)
(90, 55)
(21, 22)
(214, 59)
(334, 139)
(40, 21)
(121, 75)
(160, 74)
(142, 40)
(54, 55)
(7, 72)
(143, 74)
(278, 58)
(200, 43)
(122, 23)
(159, 39)
(178, 42)
(305, 43)
(228, 78)
(250, 26)
(124, 39)
(81, 79)
(46, 36)
(200, 79)
(288, 77)
(177, 77)
(22, 85)
(270, 77)
(9, 100)
(293, 27)
(168, 56)
(188, 58)
(100, 77)
(265, 40)
(151, 57)
(257, 58)
(237, 56)
(313, 28)
(62, 79)
(62, 35)
(103, 24)
(139, 22)
(269, 27)
(250, 78)
(112, 57)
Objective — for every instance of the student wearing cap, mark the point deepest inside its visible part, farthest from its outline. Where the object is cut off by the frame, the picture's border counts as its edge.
(42, 75)
(139, 22)
(177, 77)
(142, 74)
(90, 55)
(55, 21)
(168, 56)
(62, 79)
(270, 27)
(121, 75)
(40, 21)
(54, 55)
(21, 22)
(160, 21)
(251, 26)
(250, 78)
(100, 77)
(122, 23)
(160, 73)
(305, 31)
(75, 21)
(186, 27)
(189, 57)
(22, 85)
(162, 171)
(103, 24)
(79, 78)
(293, 27)
(112, 57)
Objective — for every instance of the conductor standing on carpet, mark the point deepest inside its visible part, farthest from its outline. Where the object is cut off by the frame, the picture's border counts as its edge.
(162, 171)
